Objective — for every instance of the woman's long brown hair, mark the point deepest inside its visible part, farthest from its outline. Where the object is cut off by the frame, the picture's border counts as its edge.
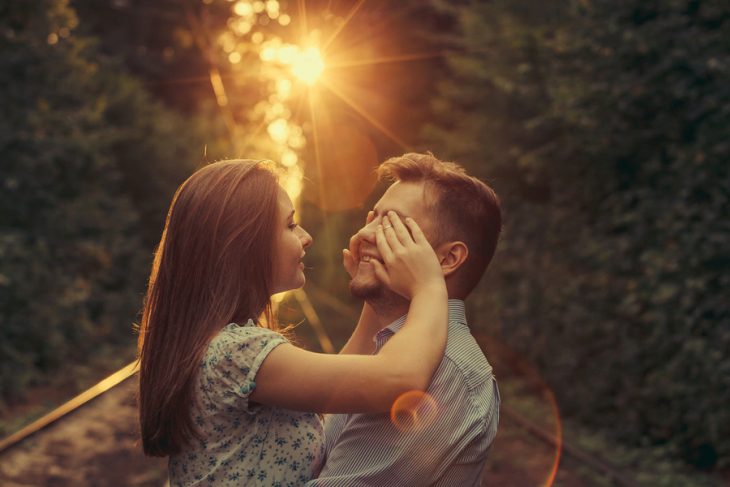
(213, 266)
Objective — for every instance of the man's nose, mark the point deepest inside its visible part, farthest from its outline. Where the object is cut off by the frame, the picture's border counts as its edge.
(367, 232)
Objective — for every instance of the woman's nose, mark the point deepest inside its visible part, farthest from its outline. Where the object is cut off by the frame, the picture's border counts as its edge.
(306, 238)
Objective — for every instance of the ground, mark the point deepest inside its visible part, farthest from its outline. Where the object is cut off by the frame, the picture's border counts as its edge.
(98, 445)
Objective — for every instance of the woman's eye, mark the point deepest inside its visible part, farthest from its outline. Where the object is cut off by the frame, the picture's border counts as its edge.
(292, 226)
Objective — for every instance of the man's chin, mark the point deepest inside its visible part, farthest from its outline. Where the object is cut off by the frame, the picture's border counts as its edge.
(365, 290)
(365, 285)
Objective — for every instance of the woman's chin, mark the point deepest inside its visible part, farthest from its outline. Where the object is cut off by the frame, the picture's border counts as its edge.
(297, 282)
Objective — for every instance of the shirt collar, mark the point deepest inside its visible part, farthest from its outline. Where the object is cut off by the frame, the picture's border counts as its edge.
(457, 314)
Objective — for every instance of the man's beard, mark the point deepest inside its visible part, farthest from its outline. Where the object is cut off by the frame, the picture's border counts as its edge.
(363, 288)
(374, 292)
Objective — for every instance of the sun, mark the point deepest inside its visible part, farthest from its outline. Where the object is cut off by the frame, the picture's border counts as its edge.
(308, 65)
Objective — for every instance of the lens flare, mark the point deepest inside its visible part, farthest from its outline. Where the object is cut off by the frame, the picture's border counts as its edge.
(244, 9)
(291, 181)
(413, 411)
(278, 130)
(289, 158)
(283, 88)
(544, 419)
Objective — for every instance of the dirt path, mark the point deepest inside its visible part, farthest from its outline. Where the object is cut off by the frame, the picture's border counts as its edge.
(521, 460)
(95, 446)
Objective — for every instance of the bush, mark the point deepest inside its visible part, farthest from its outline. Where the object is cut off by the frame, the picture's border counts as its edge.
(76, 134)
(605, 134)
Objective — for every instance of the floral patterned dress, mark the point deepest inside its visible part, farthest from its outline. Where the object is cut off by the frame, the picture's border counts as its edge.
(245, 443)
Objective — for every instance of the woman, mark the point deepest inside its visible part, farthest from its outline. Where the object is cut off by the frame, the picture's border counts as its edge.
(225, 395)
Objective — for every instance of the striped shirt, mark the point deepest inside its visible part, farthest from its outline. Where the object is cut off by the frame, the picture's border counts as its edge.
(446, 446)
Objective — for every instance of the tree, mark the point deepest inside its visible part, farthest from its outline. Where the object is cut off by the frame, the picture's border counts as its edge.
(76, 134)
(603, 131)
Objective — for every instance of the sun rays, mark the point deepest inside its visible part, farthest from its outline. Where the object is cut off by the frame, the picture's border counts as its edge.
(294, 76)
(321, 110)
(312, 63)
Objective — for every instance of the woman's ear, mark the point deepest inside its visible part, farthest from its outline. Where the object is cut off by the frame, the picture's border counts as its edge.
(452, 255)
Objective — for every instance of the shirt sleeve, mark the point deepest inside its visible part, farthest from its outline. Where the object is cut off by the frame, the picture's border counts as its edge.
(232, 362)
(370, 450)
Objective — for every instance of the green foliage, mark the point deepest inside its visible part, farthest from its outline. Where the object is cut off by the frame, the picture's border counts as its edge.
(76, 134)
(605, 132)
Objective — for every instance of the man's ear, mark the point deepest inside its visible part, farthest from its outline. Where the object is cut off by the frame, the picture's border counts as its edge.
(452, 255)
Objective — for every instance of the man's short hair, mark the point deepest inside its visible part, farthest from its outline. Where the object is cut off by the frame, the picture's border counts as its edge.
(465, 209)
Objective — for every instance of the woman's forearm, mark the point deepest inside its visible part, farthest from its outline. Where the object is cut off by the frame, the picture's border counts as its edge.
(361, 341)
(414, 353)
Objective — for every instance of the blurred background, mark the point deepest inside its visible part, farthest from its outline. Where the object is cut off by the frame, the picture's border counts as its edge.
(603, 126)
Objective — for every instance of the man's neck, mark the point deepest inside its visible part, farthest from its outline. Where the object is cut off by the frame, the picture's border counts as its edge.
(388, 309)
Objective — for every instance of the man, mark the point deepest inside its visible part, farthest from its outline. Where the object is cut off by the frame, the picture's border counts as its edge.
(444, 439)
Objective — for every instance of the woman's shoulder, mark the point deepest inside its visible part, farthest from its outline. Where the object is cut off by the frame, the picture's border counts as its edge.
(228, 369)
(236, 345)
(235, 334)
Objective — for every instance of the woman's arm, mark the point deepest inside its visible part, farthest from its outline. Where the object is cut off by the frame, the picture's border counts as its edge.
(297, 379)
(361, 341)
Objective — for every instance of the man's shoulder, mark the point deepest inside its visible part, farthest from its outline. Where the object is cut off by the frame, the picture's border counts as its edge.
(464, 361)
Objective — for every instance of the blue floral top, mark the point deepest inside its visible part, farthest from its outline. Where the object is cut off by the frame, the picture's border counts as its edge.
(245, 443)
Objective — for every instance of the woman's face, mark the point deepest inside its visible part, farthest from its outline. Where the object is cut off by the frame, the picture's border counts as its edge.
(290, 244)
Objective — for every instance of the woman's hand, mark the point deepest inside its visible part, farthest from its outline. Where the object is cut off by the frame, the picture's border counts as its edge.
(349, 262)
(409, 264)
(350, 257)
